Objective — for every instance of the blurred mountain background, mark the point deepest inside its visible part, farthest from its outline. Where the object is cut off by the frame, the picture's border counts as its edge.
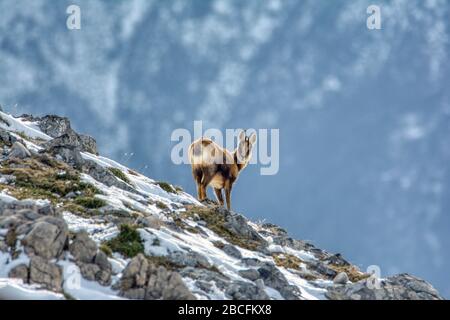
(364, 115)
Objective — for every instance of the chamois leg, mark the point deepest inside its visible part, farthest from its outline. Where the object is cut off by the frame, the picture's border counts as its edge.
(198, 181)
(228, 195)
(219, 195)
(206, 179)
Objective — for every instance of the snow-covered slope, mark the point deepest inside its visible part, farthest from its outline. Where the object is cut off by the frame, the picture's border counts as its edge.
(74, 224)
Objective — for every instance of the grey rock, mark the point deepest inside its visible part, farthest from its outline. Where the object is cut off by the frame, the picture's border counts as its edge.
(29, 214)
(337, 260)
(143, 280)
(19, 272)
(204, 286)
(23, 228)
(67, 147)
(250, 274)
(47, 237)
(88, 144)
(70, 195)
(240, 290)
(83, 248)
(275, 279)
(3, 246)
(341, 278)
(53, 125)
(94, 272)
(105, 176)
(101, 260)
(8, 178)
(10, 222)
(19, 151)
(238, 225)
(206, 275)
(89, 270)
(103, 277)
(134, 294)
(166, 285)
(322, 269)
(46, 273)
(6, 137)
(232, 251)
(398, 287)
(47, 210)
(191, 259)
(135, 273)
(252, 262)
(69, 155)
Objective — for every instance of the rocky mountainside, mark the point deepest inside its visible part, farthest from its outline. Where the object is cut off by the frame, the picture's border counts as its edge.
(76, 225)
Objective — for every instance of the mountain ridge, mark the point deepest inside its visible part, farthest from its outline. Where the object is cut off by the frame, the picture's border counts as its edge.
(74, 224)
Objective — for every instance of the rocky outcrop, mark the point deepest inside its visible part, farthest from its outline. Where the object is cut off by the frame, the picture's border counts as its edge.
(398, 287)
(19, 151)
(64, 136)
(45, 238)
(191, 250)
(52, 125)
(104, 176)
(93, 264)
(143, 280)
(46, 273)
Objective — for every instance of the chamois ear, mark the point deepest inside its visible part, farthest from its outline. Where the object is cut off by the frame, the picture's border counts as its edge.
(242, 135)
(252, 138)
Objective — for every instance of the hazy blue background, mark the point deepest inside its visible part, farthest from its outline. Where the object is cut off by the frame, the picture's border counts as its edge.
(364, 116)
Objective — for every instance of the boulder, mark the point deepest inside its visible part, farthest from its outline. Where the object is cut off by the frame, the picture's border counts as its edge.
(83, 248)
(275, 279)
(142, 280)
(240, 290)
(341, 278)
(19, 151)
(192, 259)
(19, 272)
(53, 125)
(47, 238)
(166, 285)
(88, 144)
(46, 273)
(6, 137)
(250, 274)
(104, 176)
(232, 251)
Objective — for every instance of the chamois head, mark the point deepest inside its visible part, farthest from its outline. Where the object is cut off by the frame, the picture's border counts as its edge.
(243, 152)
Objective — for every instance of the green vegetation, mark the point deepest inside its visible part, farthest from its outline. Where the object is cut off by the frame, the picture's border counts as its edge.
(161, 205)
(128, 242)
(119, 174)
(166, 187)
(106, 250)
(42, 177)
(90, 202)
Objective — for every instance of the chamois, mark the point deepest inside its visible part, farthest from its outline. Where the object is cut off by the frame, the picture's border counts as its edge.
(218, 167)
